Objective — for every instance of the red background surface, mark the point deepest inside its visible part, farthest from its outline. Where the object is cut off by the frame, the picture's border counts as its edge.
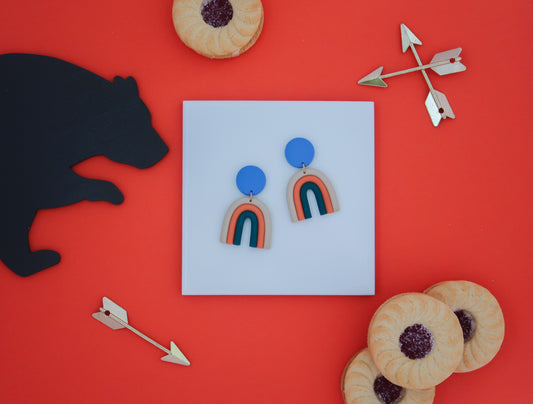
(453, 202)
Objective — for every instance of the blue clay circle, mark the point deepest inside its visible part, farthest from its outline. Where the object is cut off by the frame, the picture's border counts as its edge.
(299, 151)
(251, 179)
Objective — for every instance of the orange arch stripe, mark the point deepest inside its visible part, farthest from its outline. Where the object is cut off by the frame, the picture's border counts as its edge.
(298, 200)
(260, 219)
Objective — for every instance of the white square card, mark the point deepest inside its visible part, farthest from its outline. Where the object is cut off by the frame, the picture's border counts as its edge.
(331, 254)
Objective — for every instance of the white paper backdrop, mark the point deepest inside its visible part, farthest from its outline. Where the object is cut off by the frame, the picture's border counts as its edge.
(324, 255)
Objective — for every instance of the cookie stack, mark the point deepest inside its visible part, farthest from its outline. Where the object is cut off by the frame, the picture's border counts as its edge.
(417, 340)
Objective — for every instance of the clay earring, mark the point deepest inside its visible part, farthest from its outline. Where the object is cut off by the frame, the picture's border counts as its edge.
(250, 180)
(299, 152)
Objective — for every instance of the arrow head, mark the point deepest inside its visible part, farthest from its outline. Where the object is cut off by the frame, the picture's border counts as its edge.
(453, 67)
(408, 38)
(176, 356)
(373, 79)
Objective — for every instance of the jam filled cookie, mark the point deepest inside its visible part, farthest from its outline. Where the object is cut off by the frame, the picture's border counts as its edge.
(218, 28)
(481, 319)
(362, 383)
(415, 340)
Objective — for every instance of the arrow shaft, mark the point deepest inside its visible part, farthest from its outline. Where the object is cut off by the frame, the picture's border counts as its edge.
(431, 89)
(137, 332)
(420, 64)
(415, 69)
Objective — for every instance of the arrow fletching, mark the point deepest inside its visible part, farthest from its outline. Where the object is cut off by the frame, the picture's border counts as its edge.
(408, 38)
(448, 112)
(114, 309)
(453, 67)
(373, 79)
(436, 113)
(176, 356)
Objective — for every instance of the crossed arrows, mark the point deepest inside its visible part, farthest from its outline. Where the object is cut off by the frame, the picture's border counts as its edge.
(446, 62)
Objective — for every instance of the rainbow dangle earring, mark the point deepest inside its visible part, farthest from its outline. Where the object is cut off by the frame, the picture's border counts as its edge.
(250, 180)
(299, 152)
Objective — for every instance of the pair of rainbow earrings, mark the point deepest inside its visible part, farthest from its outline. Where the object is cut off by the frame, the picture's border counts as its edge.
(251, 180)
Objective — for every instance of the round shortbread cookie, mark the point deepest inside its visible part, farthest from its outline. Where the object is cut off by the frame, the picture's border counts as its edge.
(362, 383)
(218, 28)
(481, 319)
(415, 340)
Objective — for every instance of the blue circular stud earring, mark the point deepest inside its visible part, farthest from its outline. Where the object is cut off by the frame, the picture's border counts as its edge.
(251, 181)
(299, 153)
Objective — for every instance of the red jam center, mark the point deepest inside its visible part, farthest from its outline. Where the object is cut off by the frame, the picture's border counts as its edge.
(416, 341)
(217, 13)
(387, 392)
(468, 324)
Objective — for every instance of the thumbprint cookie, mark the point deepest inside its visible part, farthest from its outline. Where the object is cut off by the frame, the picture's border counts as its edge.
(481, 319)
(363, 383)
(415, 340)
(218, 28)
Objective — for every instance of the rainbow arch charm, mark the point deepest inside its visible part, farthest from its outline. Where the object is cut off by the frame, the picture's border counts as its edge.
(299, 153)
(250, 180)
(259, 216)
(319, 184)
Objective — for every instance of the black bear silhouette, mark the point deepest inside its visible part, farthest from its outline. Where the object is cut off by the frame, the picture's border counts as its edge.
(53, 115)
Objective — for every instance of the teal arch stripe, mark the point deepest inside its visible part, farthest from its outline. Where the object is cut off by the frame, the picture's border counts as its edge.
(247, 214)
(319, 199)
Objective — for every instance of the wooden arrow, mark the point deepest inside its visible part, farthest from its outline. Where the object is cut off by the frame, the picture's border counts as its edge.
(437, 104)
(451, 64)
(115, 317)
